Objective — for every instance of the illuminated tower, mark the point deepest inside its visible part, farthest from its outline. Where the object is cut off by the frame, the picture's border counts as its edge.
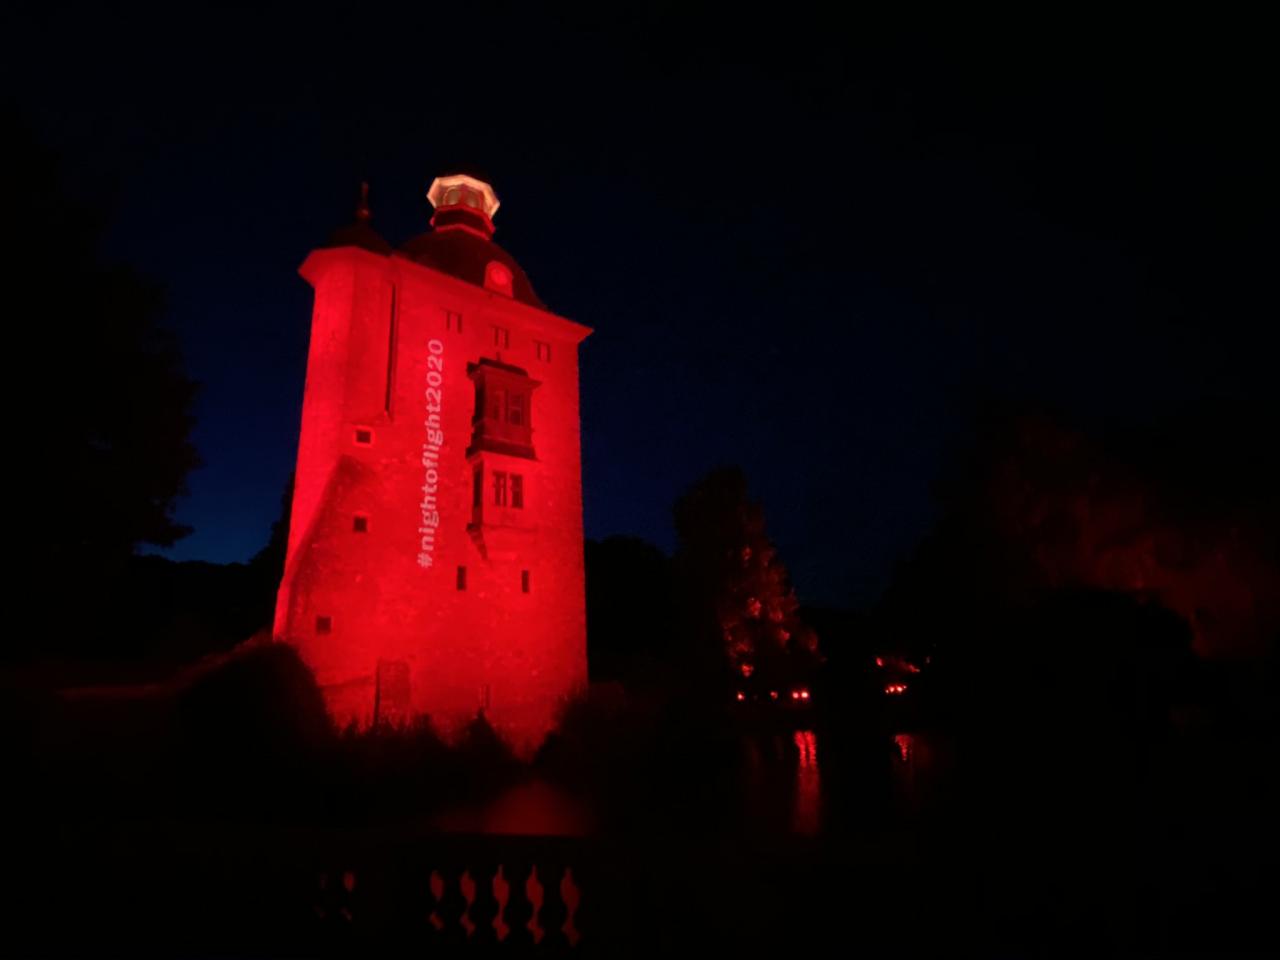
(435, 560)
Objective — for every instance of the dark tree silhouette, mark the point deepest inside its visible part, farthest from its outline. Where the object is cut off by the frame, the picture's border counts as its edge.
(736, 595)
(631, 634)
(1036, 506)
(113, 448)
(268, 563)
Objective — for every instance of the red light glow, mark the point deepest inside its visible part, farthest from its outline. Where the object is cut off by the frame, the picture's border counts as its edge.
(894, 689)
(903, 741)
(462, 591)
(806, 816)
(741, 696)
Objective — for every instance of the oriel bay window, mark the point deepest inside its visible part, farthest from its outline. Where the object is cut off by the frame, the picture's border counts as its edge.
(503, 419)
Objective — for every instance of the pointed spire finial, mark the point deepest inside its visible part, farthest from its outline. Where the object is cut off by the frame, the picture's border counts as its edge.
(363, 214)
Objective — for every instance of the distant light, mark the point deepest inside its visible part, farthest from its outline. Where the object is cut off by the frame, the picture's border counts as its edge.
(741, 696)
(895, 688)
(773, 694)
(903, 740)
(748, 669)
(795, 694)
(911, 668)
(879, 661)
(804, 694)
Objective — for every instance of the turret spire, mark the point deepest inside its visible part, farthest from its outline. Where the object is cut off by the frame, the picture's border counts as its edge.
(363, 214)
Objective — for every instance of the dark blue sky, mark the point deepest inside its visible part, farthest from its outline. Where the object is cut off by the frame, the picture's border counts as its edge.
(807, 247)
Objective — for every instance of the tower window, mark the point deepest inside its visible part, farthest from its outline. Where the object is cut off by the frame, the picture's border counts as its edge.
(477, 487)
(501, 337)
(524, 581)
(544, 350)
(515, 409)
(364, 436)
(462, 578)
(324, 625)
(360, 523)
(508, 490)
(496, 404)
(453, 321)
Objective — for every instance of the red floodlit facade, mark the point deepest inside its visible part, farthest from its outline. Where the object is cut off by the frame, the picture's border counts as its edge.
(435, 556)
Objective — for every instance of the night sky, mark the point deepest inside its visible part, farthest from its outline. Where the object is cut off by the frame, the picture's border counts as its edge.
(805, 246)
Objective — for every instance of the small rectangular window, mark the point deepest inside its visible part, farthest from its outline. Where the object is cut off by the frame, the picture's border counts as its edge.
(524, 581)
(501, 337)
(462, 578)
(544, 350)
(515, 409)
(360, 523)
(517, 491)
(477, 487)
(496, 400)
(364, 436)
(499, 489)
(453, 321)
(324, 624)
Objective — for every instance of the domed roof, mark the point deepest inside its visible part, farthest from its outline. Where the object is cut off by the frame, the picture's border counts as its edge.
(465, 255)
(359, 233)
(460, 242)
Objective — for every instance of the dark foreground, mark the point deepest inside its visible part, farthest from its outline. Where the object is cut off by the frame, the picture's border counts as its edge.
(217, 889)
(1046, 826)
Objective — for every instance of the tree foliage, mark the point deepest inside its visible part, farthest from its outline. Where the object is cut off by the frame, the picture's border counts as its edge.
(108, 448)
(737, 592)
(115, 403)
(1038, 505)
(631, 628)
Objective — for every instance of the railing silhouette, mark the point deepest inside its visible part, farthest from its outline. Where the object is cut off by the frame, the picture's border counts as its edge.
(227, 888)
(453, 892)
(222, 888)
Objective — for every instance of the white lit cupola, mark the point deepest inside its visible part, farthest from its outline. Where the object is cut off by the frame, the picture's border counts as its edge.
(463, 202)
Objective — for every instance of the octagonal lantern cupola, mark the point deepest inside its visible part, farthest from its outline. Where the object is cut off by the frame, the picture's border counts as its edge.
(463, 202)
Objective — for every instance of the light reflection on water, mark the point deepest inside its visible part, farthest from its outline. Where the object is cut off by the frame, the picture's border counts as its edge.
(904, 742)
(806, 815)
(781, 790)
(533, 808)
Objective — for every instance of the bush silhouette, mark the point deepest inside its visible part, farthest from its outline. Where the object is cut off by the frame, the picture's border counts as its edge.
(254, 725)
